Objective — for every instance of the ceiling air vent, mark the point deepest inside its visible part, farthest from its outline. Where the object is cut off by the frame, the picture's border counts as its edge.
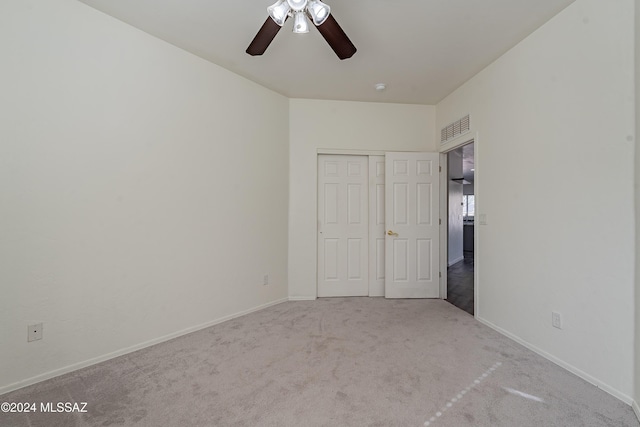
(455, 129)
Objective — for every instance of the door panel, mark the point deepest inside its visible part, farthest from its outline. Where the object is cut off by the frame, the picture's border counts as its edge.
(343, 213)
(412, 238)
(400, 260)
(376, 226)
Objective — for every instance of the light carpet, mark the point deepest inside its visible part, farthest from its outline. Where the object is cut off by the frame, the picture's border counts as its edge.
(330, 362)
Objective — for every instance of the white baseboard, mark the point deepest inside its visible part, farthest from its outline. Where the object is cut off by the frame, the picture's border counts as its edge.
(297, 298)
(121, 352)
(455, 261)
(636, 409)
(601, 385)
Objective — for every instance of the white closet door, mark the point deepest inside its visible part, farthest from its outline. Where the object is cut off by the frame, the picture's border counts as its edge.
(343, 226)
(376, 226)
(412, 249)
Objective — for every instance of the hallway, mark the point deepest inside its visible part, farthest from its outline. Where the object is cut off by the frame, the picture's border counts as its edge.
(460, 283)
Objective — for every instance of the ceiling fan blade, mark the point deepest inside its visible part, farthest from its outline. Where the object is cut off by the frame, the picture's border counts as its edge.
(263, 39)
(336, 37)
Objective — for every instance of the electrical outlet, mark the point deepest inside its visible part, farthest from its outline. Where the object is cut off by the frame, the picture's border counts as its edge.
(34, 332)
(266, 279)
(556, 320)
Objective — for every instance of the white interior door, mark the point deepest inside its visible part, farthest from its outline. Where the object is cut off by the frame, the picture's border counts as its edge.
(412, 250)
(376, 226)
(343, 226)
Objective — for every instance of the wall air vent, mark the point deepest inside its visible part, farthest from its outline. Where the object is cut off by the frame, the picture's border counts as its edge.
(455, 129)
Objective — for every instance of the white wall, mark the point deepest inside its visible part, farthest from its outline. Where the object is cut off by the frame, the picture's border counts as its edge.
(554, 174)
(137, 199)
(339, 125)
(636, 406)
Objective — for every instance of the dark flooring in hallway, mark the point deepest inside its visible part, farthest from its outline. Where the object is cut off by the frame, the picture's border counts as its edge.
(460, 283)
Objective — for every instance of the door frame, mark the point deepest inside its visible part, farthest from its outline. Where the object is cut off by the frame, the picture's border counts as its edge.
(467, 138)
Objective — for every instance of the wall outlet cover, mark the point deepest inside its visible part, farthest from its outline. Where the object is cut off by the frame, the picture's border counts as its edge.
(34, 332)
(556, 320)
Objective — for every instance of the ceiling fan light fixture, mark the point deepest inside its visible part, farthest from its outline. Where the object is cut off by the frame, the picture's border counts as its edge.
(279, 11)
(300, 23)
(302, 11)
(318, 11)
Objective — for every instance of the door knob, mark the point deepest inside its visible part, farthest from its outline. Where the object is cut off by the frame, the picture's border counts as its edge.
(391, 233)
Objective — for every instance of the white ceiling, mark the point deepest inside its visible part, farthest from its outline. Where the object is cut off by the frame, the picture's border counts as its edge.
(422, 49)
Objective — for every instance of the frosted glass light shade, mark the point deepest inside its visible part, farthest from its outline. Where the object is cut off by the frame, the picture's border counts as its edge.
(300, 23)
(279, 11)
(297, 5)
(318, 11)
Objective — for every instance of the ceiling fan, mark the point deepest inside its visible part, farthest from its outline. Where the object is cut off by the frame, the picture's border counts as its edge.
(300, 10)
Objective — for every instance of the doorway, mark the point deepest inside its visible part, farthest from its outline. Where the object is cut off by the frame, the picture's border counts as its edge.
(461, 226)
